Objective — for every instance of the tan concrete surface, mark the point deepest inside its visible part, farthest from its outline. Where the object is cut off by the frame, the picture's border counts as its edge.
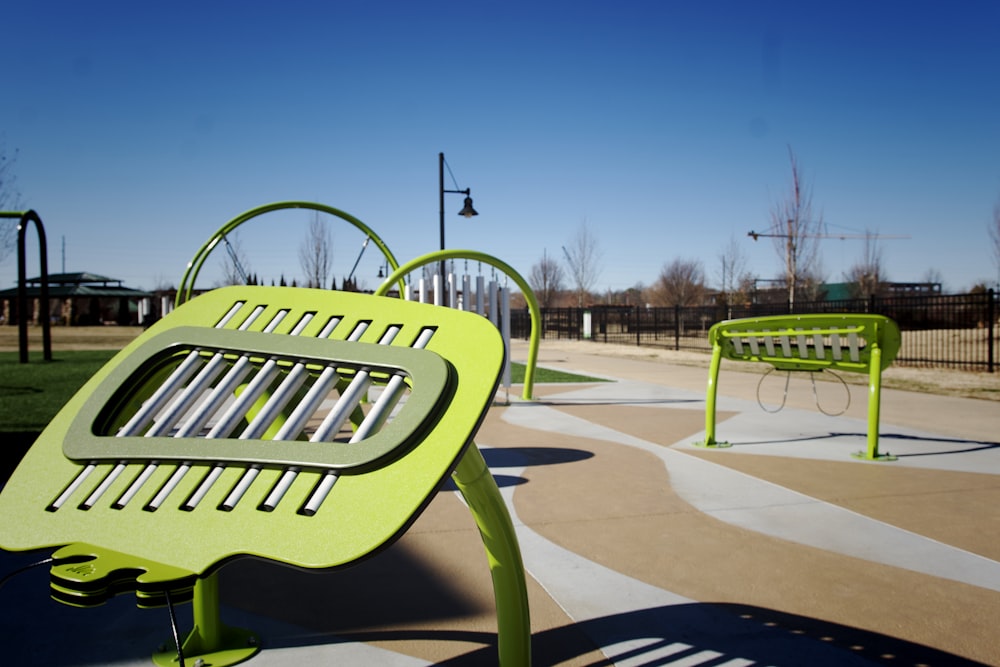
(645, 530)
(598, 477)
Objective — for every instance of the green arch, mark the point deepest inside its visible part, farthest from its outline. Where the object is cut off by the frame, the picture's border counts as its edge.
(529, 296)
(194, 266)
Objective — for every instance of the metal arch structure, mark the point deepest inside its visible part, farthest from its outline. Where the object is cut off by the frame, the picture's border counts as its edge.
(396, 277)
(186, 287)
(22, 284)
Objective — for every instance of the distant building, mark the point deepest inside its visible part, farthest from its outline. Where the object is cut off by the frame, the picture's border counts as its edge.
(78, 299)
(843, 291)
(778, 293)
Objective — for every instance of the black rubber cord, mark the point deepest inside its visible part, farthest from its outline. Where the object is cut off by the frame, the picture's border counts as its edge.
(173, 629)
(10, 575)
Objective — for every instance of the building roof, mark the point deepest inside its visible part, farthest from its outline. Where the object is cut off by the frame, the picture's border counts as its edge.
(80, 278)
(83, 284)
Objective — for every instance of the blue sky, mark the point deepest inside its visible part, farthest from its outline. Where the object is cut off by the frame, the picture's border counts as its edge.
(664, 127)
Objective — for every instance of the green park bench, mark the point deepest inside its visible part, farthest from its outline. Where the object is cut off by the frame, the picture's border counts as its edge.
(855, 343)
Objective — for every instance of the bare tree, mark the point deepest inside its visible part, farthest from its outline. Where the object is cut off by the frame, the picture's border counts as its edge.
(235, 264)
(733, 274)
(635, 295)
(316, 253)
(10, 200)
(934, 276)
(162, 284)
(994, 230)
(796, 234)
(680, 283)
(867, 276)
(546, 280)
(584, 259)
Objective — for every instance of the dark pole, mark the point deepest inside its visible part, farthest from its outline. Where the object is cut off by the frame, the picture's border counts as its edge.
(991, 315)
(441, 195)
(22, 287)
(467, 211)
(441, 210)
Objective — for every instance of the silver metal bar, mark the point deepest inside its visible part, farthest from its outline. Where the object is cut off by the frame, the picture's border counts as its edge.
(162, 395)
(819, 347)
(835, 346)
(271, 410)
(108, 480)
(168, 488)
(315, 396)
(374, 420)
(241, 488)
(71, 489)
(203, 488)
(130, 492)
(389, 398)
(225, 388)
(737, 344)
(852, 342)
(769, 343)
(195, 388)
(170, 386)
(239, 409)
(345, 405)
(280, 489)
(146, 412)
(261, 381)
(182, 405)
(350, 399)
(800, 341)
(300, 416)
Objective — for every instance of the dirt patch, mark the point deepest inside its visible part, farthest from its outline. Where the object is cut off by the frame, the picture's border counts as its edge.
(71, 338)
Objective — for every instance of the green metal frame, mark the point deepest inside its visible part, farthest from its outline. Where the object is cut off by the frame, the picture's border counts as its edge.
(186, 288)
(809, 342)
(106, 547)
(397, 276)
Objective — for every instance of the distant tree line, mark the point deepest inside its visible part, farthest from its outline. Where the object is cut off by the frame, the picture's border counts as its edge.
(683, 282)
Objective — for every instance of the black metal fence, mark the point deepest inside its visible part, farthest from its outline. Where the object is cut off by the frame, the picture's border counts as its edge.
(958, 331)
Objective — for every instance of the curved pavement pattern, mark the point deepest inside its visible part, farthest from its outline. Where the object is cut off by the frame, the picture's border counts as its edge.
(641, 548)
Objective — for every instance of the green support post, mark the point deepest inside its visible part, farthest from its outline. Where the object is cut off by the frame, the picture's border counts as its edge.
(210, 641)
(480, 491)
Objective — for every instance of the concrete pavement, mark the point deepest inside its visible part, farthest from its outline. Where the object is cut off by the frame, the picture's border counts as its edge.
(641, 548)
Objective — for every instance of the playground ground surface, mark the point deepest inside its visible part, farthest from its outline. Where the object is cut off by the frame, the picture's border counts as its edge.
(642, 548)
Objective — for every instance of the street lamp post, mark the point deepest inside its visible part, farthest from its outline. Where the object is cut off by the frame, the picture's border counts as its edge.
(466, 212)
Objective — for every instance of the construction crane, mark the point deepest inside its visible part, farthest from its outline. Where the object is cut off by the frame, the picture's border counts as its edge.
(755, 235)
(790, 256)
(236, 261)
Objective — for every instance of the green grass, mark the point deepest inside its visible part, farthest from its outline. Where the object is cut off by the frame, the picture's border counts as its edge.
(31, 394)
(548, 375)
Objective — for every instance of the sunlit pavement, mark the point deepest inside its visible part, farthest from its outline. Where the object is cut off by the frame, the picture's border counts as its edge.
(641, 548)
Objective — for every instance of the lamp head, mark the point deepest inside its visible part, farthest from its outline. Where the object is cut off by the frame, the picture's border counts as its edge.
(467, 210)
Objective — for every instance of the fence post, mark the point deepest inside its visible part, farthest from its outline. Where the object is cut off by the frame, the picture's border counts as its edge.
(677, 326)
(991, 316)
(635, 320)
